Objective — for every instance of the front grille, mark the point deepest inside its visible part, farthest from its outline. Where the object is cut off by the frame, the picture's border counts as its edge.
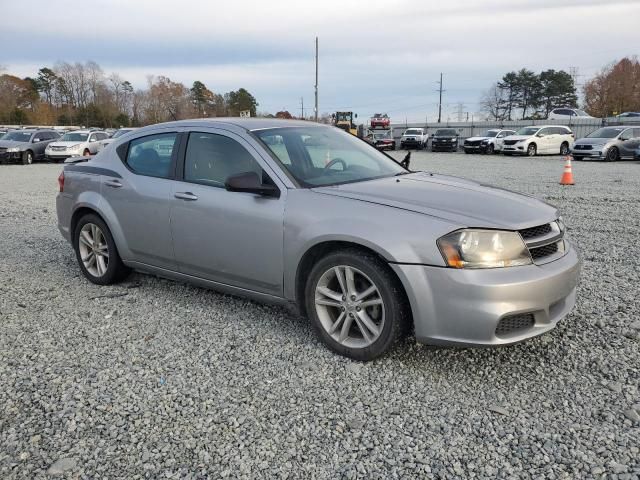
(510, 142)
(472, 143)
(583, 147)
(538, 231)
(58, 149)
(514, 324)
(541, 252)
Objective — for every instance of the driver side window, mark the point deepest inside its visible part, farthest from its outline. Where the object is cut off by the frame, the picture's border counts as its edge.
(210, 159)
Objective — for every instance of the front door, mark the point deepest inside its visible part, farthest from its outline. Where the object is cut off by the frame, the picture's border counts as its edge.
(232, 238)
(629, 142)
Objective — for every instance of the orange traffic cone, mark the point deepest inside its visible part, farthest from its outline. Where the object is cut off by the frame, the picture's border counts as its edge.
(567, 176)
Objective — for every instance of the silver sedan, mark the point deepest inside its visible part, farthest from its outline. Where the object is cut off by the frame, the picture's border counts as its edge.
(303, 214)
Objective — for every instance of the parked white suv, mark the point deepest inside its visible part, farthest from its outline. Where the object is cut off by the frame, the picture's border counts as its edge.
(567, 113)
(414, 138)
(489, 143)
(542, 139)
(78, 142)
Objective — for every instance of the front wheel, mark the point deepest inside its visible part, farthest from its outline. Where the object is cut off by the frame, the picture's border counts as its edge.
(612, 154)
(532, 150)
(96, 252)
(564, 149)
(356, 304)
(27, 157)
(490, 149)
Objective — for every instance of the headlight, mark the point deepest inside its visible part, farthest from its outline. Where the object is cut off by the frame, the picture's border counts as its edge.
(13, 149)
(521, 141)
(73, 147)
(484, 249)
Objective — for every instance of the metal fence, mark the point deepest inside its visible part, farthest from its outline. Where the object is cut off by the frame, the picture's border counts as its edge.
(470, 129)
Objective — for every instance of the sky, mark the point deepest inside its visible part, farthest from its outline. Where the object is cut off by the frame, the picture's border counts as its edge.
(375, 55)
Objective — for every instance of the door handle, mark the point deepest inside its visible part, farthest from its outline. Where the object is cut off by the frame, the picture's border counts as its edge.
(186, 196)
(113, 183)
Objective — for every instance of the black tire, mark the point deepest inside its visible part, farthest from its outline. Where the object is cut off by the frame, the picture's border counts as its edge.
(564, 148)
(27, 157)
(116, 270)
(86, 153)
(532, 149)
(490, 149)
(613, 155)
(396, 312)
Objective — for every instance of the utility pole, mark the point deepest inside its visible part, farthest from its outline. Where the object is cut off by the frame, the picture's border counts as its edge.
(440, 101)
(302, 108)
(315, 110)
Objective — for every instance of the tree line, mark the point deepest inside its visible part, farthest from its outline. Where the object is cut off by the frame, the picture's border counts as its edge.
(82, 94)
(527, 95)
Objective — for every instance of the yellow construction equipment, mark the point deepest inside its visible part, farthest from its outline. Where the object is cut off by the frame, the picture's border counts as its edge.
(344, 120)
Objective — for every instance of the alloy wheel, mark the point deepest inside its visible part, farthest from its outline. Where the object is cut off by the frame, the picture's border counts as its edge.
(349, 306)
(94, 251)
(531, 150)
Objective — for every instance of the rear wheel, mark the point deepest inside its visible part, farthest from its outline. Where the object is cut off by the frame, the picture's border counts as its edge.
(27, 157)
(356, 304)
(532, 149)
(613, 154)
(96, 252)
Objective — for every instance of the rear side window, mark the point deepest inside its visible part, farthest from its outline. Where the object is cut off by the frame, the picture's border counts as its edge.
(211, 159)
(152, 155)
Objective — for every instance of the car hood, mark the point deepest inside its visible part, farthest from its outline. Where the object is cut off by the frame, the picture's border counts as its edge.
(12, 143)
(594, 141)
(458, 200)
(475, 139)
(518, 137)
(65, 144)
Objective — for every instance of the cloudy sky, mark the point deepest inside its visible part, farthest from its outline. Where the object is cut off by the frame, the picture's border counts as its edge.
(375, 55)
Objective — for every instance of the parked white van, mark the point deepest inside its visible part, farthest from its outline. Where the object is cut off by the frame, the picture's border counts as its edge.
(539, 140)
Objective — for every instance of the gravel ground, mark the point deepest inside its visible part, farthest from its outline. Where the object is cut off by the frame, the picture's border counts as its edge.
(155, 379)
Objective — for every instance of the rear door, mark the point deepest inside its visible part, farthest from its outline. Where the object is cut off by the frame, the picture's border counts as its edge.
(233, 238)
(140, 198)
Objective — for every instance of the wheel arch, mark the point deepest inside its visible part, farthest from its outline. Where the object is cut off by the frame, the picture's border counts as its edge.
(324, 248)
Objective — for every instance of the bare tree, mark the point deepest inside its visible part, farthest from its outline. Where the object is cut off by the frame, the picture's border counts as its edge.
(493, 103)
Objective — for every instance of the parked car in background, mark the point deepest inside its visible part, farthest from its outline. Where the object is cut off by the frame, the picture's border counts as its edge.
(25, 146)
(110, 131)
(381, 140)
(117, 134)
(629, 115)
(608, 143)
(490, 142)
(445, 139)
(365, 248)
(567, 114)
(538, 140)
(72, 144)
(414, 138)
(380, 120)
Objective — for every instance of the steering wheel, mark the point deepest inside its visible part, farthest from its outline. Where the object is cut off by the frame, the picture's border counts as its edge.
(334, 162)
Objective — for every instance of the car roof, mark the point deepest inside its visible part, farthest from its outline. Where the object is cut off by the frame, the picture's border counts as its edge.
(249, 124)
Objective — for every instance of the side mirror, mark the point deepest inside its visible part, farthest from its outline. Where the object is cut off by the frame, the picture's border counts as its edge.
(540, 135)
(249, 182)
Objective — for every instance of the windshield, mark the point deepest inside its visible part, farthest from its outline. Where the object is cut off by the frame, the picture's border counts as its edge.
(527, 131)
(491, 133)
(449, 132)
(413, 131)
(121, 132)
(379, 136)
(17, 136)
(74, 137)
(607, 132)
(318, 156)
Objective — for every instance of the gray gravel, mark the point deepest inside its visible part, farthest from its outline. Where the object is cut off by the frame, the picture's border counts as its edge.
(155, 379)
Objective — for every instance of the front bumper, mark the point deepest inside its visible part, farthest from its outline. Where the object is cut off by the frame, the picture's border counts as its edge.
(10, 156)
(465, 307)
(55, 156)
(440, 145)
(588, 154)
(517, 148)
